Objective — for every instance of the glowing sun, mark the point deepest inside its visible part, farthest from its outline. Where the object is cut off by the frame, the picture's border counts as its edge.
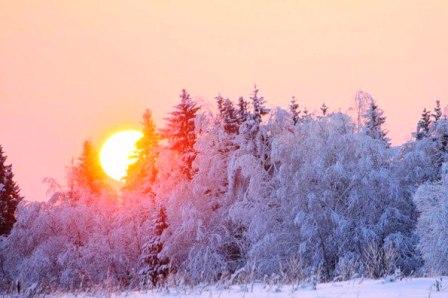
(117, 153)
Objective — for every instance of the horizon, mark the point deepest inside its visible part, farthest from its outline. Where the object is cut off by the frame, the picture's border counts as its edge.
(81, 70)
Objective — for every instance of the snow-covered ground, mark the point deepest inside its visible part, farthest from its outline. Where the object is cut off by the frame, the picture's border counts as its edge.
(412, 287)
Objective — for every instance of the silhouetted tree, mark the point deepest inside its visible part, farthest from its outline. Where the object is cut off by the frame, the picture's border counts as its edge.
(9, 195)
(87, 173)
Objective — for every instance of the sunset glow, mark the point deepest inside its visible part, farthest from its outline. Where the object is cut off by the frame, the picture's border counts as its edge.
(117, 153)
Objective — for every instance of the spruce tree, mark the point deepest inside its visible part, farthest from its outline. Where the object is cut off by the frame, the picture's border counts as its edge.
(230, 117)
(87, 173)
(9, 196)
(144, 168)
(220, 103)
(259, 106)
(423, 125)
(437, 112)
(155, 268)
(374, 120)
(242, 112)
(294, 109)
(324, 109)
(180, 131)
(228, 114)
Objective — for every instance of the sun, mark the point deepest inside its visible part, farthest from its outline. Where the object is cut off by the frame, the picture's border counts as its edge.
(116, 153)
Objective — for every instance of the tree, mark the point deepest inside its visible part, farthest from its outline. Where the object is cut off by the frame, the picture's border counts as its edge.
(432, 203)
(229, 117)
(9, 196)
(374, 120)
(155, 267)
(220, 103)
(324, 109)
(87, 174)
(362, 101)
(242, 112)
(144, 169)
(227, 114)
(437, 112)
(180, 131)
(423, 125)
(258, 104)
(294, 110)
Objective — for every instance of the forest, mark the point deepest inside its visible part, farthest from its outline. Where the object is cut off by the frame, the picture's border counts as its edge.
(240, 194)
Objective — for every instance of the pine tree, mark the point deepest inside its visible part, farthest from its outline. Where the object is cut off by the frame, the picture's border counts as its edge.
(258, 104)
(374, 121)
(9, 196)
(437, 112)
(155, 267)
(294, 109)
(144, 168)
(324, 109)
(230, 117)
(242, 112)
(180, 131)
(423, 125)
(220, 103)
(87, 173)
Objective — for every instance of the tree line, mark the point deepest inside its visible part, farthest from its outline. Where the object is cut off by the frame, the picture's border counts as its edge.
(245, 193)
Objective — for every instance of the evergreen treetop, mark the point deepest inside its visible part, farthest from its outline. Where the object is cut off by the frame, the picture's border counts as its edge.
(294, 109)
(374, 121)
(259, 106)
(180, 131)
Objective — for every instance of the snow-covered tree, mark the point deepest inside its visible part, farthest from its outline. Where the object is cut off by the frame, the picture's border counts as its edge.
(294, 110)
(242, 111)
(431, 200)
(258, 105)
(228, 115)
(437, 112)
(9, 195)
(424, 125)
(154, 267)
(374, 119)
(421, 160)
(180, 131)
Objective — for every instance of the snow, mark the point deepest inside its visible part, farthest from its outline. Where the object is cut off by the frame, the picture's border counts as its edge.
(414, 287)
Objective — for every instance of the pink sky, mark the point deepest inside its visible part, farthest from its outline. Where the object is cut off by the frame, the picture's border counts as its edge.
(71, 70)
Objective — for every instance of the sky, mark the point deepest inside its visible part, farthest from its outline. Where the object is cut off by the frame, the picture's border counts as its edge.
(80, 69)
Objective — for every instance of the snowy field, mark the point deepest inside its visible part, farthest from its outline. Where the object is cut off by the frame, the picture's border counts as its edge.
(412, 287)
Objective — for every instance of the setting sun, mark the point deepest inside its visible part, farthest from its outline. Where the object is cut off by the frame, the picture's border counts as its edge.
(116, 153)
